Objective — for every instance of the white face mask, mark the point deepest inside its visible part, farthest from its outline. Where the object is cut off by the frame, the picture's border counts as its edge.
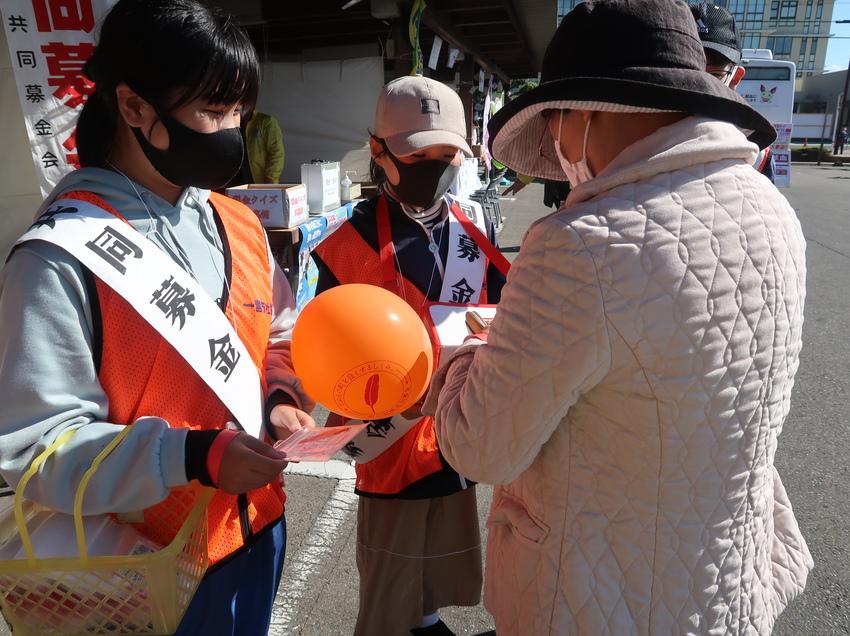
(577, 172)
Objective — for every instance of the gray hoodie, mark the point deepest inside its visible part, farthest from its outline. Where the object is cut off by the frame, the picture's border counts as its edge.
(48, 380)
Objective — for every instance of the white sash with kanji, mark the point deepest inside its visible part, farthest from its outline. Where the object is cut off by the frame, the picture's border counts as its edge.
(165, 295)
(463, 282)
(464, 275)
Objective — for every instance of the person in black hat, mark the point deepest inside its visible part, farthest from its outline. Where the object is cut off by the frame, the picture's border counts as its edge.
(627, 398)
(721, 39)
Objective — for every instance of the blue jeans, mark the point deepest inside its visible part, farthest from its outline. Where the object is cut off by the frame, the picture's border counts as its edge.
(237, 598)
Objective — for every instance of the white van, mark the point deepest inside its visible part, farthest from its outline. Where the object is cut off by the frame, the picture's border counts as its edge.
(768, 86)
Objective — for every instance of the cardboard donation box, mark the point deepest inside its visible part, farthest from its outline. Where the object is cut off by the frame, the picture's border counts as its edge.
(322, 181)
(278, 205)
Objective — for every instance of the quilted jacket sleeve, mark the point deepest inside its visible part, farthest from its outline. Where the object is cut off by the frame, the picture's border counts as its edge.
(496, 405)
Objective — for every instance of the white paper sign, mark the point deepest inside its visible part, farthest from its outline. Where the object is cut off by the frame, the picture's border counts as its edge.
(435, 52)
(781, 151)
(450, 324)
(453, 53)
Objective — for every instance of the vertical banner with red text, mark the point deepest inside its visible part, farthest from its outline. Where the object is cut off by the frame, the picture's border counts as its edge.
(781, 150)
(49, 42)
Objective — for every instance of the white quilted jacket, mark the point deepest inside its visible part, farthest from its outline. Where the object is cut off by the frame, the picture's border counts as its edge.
(637, 375)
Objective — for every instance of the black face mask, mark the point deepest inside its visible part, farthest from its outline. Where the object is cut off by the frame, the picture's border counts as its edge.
(203, 160)
(423, 183)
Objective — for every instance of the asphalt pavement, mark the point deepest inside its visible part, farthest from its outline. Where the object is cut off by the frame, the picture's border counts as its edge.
(318, 594)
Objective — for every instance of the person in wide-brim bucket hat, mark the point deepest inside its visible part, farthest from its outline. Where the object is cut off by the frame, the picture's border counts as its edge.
(621, 56)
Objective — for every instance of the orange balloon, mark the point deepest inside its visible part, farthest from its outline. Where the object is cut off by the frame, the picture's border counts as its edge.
(361, 351)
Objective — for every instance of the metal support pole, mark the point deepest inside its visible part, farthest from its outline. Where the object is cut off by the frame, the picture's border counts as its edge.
(822, 134)
(846, 83)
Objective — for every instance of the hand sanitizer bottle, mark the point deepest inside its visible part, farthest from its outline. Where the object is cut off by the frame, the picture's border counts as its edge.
(345, 187)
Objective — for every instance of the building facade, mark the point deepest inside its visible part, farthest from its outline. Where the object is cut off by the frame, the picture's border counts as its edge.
(795, 30)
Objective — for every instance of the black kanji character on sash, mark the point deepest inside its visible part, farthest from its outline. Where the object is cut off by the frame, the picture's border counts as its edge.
(469, 211)
(223, 356)
(352, 450)
(468, 248)
(175, 301)
(114, 248)
(47, 217)
(461, 292)
(379, 428)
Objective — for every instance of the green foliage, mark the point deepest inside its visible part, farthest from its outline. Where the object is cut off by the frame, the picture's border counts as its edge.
(517, 87)
(520, 86)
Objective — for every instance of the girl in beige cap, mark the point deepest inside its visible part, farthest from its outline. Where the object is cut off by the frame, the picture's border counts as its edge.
(418, 542)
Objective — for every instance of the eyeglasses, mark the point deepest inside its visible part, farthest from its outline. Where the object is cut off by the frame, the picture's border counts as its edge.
(550, 156)
(721, 74)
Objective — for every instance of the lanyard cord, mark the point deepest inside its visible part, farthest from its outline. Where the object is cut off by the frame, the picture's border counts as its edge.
(387, 249)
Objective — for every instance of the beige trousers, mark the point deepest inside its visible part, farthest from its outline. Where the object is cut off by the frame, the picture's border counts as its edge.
(414, 557)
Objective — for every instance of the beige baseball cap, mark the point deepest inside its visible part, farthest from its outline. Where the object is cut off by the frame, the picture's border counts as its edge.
(416, 112)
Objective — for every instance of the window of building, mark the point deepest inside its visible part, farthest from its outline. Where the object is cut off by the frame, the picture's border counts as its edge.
(737, 9)
(809, 10)
(755, 14)
(811, 64)
(774, 12)
(788, 13)
(780, 46)
(799, 74)
(817, 27)
(813, 51)
(806, 27)
(819, 12)
(803, 43)
(564, 7)
(751, 40)
(809, 74)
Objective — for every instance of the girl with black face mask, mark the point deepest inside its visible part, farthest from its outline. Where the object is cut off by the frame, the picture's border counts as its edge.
(416, 519)
(159, 132)
(419, 180)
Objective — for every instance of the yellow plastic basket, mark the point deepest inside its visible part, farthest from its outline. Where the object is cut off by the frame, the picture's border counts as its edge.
(129, 594)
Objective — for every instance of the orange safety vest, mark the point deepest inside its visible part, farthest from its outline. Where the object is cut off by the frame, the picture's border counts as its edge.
(416, 454)
(143, 375)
